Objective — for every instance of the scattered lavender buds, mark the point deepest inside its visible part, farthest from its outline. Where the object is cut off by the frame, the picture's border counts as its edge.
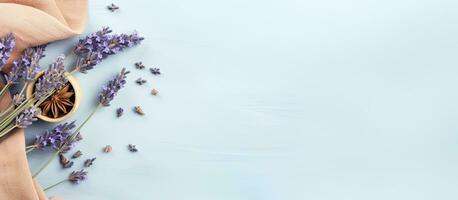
(112, 88)
(77, 154)
(53, 79)
(56, 137)
(139, 110)
(77, 176)
(27, 117)
(107, 149)
(140, 81)
(65, 162)
(155, 71)
(89, 162)
(132, 148)
(7, 45)
(154, 92)
(97, 46)
(112, 7)
(119, 112)
(139, 65)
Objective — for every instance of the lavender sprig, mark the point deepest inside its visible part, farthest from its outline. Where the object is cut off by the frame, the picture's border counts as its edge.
(53, 79)
(97, 46)
(7, 45)
(27, 117)
(112, 88)
(54, 138)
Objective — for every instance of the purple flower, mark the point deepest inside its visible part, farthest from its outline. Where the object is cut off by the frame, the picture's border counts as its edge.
(77, 176)
(27, 117)
(26, 67)
(92, 42)
(18, 99)
(53, 78)
(7, 45)
(112, 88)
(97, 46)
(56, 137)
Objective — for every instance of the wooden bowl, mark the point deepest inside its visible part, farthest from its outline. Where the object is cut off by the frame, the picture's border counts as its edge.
(76, 89)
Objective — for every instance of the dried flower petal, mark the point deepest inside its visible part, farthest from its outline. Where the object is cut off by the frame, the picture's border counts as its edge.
(18, 99)
(132, 148)
(77, 154)
(65, 162)
(140, 81)
(154, 92)
(139, 65)
(89, 162)
(107, 149)
(155, 71)
(112, 7)
(119, 112)
(77, 176)
(139, 110)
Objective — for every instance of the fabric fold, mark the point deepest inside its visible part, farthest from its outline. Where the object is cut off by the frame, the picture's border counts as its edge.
(33, 22)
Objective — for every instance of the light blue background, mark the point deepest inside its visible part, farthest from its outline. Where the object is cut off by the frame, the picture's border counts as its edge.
(274, 100)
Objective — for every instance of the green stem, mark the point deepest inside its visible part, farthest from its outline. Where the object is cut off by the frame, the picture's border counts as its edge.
(7, 110)
(7, 120)
(72, 137)
(4, 89)
(30, 148)
(56, 184)
(7, 130)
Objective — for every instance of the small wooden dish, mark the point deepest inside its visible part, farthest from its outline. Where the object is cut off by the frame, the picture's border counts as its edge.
(75, 100)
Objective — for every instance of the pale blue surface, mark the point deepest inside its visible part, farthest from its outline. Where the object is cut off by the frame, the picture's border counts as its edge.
(275, 100)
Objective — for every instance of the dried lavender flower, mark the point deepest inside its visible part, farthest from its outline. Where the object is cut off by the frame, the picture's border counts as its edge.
(27, 117)
(56, 137)
(7, 45)
(78, 137)
(26, 67)
(97, 46)
(119, 112)
(132, 148)
(77, 176)
(65, 162)
(53, 79)
(107, 149)
(112, 88)
(139, 110)
(77, 154)
(139, 65)
(155, 71)
(112, 7)
(154, 92)
(89, 162)
(140, 81)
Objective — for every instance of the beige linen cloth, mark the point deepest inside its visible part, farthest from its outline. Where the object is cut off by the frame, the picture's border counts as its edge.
(33, 22)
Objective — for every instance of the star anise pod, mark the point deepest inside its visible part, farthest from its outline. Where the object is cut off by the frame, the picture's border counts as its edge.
(58, 103)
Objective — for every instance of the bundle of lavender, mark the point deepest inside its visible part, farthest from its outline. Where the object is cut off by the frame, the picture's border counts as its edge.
(52, 85)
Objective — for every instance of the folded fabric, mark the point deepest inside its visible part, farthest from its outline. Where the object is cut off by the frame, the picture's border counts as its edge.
(33, 22)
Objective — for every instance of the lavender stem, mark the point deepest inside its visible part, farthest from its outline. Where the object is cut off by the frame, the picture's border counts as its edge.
(55, 184)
